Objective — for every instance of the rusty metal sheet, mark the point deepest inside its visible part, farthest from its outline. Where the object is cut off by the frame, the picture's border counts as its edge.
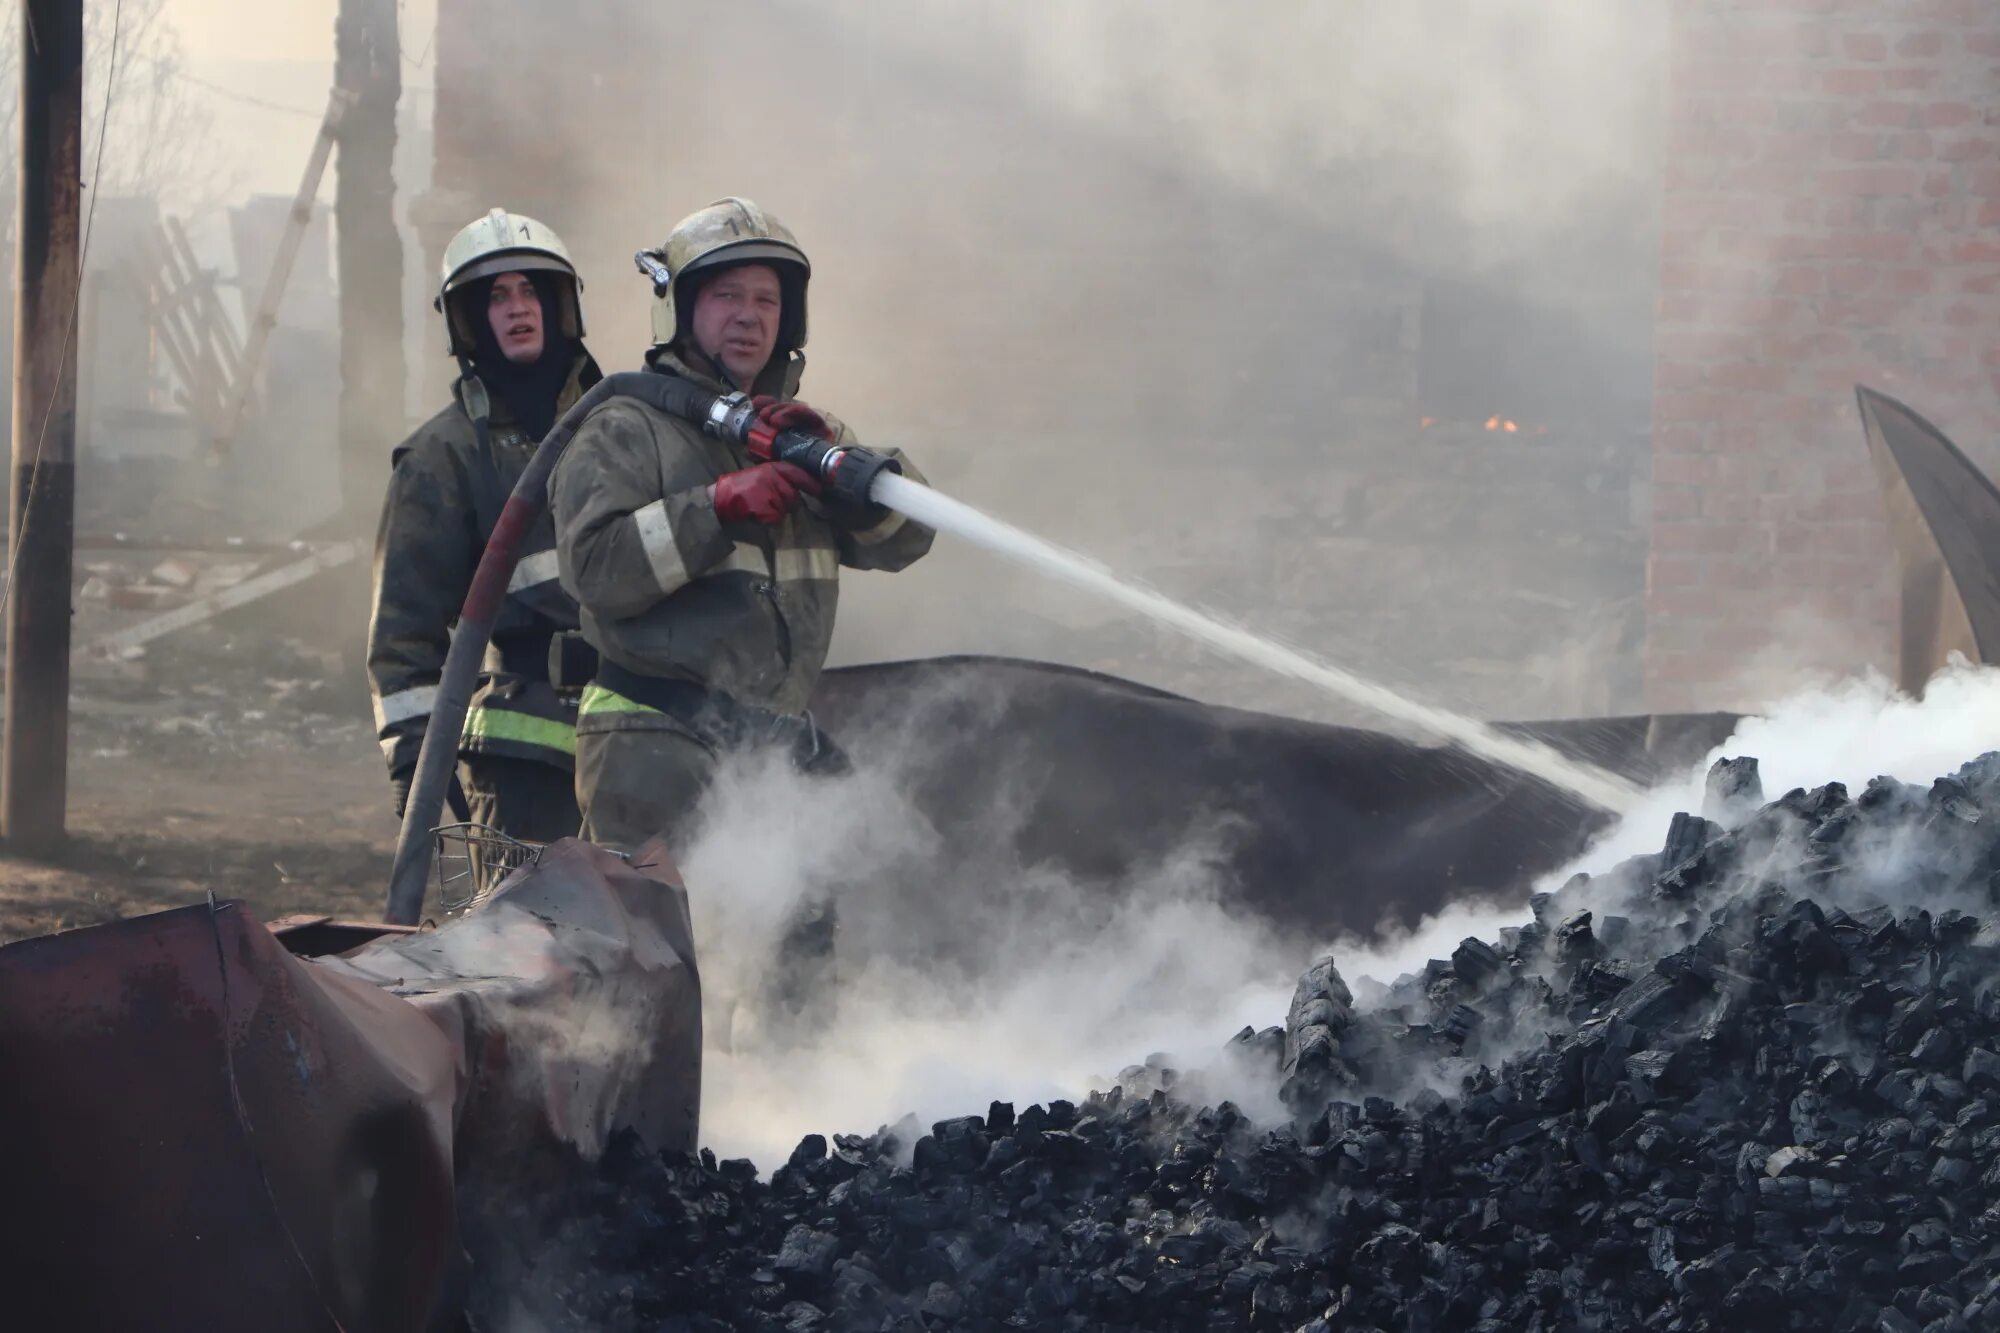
(575, 992)
(1944, 517)
(308, 936)
(204, 1132)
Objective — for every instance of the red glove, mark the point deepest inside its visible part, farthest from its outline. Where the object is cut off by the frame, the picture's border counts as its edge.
(761, 494)
(775, 416)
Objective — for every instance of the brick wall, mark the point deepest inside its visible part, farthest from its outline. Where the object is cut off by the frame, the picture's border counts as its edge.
(1831, 215)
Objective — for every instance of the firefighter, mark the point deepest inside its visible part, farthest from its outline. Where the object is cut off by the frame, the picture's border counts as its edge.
(513, 314)
(707, 580)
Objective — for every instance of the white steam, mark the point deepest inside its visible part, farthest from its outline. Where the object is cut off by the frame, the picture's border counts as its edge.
(962, 979)
(1847, 732)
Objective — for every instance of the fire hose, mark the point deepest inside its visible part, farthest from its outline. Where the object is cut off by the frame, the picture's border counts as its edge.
(846, 472)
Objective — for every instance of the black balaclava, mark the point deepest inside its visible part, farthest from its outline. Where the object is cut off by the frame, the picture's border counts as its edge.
(529, 390)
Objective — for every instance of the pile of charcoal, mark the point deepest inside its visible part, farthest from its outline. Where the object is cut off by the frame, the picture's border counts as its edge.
(1752, 1080)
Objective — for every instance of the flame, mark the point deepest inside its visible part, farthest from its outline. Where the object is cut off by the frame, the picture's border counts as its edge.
(1496, 423)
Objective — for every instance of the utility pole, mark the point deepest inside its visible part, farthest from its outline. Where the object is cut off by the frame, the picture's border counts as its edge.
(368, 70)
(34, 752)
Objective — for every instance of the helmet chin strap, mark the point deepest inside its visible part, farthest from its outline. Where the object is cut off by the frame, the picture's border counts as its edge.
(474, 398)
(721, 371)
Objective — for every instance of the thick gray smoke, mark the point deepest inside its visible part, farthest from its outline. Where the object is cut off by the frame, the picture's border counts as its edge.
(1464, 137)
(960, 976)
(987, 981)
(1848, 732)
(1177, 287)
(1841, 731)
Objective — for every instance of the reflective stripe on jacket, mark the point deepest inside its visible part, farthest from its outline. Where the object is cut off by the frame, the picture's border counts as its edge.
(666, 589)
(444, 496)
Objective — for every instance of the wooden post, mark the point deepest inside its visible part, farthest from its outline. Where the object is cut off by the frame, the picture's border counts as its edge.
(34, 753)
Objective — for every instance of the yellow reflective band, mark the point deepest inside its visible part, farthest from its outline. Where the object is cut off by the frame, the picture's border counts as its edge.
(500, 724)
(809, 562)
(598, 701)
(882, 531)
(793, 562)
(533, 571)
(663, 553)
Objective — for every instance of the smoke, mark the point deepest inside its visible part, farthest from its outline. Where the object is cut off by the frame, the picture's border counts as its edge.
(1174, 286)
(1517, 121)
(961, 977)
(1286, 195)
(1891, 853)
(1846, 731)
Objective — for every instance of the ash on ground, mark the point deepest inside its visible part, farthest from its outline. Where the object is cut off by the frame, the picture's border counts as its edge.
(221, 697)
(1750, 1081)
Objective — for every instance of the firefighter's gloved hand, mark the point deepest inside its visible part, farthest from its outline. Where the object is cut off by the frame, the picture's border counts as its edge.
(777, 416)
(762, 494)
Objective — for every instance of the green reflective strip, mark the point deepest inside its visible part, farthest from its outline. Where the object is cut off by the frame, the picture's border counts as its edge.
(598, 701)
(500, 724)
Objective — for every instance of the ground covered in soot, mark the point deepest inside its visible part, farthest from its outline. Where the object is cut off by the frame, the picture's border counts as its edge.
(1751, 1081)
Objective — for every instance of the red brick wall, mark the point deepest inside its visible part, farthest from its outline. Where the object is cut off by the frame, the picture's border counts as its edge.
(1830, 215)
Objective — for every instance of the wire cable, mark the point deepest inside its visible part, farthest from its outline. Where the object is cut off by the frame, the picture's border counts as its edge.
(232, 95)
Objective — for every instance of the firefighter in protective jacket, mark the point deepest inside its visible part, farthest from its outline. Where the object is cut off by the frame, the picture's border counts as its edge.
(513, 318)
(707, 579)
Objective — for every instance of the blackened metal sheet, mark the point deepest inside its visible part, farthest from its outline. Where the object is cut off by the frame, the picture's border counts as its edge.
(1944, 517)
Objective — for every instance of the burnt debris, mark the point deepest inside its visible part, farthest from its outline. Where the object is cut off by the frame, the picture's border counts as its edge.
(1750, 1081)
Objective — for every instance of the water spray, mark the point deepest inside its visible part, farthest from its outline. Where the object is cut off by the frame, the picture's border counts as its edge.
(1585, 781)
(861, 477)
(857, 476)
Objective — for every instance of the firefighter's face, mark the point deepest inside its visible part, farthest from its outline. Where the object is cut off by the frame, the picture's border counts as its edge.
(515, 311)
(736, 319)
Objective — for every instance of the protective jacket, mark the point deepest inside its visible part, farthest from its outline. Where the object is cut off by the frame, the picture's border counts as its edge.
(668, 590)
(451, 479)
